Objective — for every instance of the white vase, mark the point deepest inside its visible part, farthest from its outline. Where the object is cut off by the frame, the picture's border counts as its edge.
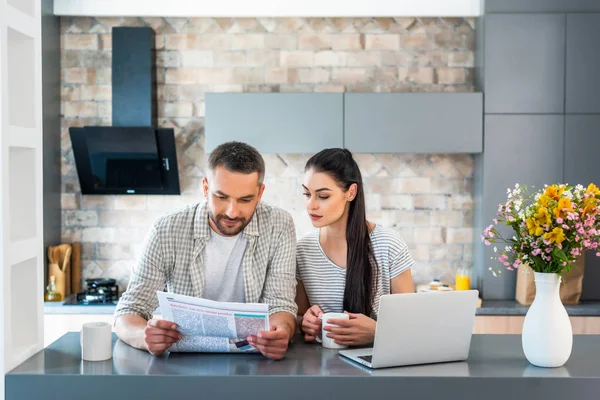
(547, 334)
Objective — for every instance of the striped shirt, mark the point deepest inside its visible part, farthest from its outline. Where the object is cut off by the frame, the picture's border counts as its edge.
(324, 281)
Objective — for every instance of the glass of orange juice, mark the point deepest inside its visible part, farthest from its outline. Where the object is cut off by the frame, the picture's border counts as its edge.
(463, 279)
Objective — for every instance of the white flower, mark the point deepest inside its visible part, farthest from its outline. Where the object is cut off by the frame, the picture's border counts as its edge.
(495, 249)
(525, 257)
(521, 215)
(507, 248)
(579, 187)
(518, 205)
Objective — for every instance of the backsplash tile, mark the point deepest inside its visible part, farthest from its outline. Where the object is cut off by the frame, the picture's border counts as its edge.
(427, 198)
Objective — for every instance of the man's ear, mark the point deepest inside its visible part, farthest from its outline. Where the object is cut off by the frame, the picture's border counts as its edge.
(261, 191)
(205, 187)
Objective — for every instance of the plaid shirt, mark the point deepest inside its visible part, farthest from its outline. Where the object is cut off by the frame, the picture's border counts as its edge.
(172, 258)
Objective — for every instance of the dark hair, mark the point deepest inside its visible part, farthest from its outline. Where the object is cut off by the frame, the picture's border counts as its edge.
(361, 267)
(238, 157)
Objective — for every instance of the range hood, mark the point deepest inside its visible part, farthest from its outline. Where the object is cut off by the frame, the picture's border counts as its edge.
(131, 156)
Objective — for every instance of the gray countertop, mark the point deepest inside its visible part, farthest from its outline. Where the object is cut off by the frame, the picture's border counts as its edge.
(489, 307)
(511, 307)
(495, 370)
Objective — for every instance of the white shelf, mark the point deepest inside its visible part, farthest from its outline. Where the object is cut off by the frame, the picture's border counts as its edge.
(23, 250)
(21, 22)
(21, 102)
(23, 137)
(21, 185)
(25, 6)
(22, 193)
(24, 328)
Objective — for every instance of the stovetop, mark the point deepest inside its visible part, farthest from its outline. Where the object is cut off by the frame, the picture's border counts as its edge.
(100, 291)
(78, 300)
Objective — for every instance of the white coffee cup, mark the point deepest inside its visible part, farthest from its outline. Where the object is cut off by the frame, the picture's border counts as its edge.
(327, 341)
(96, 341)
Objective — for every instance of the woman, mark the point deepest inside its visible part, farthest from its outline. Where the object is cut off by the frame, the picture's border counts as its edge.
(348, 262)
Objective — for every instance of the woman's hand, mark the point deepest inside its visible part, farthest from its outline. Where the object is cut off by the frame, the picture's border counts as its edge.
(311, 323)
(356, 331)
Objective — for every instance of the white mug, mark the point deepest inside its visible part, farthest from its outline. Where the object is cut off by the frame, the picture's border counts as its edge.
(96, 341)
(327, 341)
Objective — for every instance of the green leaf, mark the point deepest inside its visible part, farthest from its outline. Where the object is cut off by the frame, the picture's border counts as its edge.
(559, 254)
(538, 263)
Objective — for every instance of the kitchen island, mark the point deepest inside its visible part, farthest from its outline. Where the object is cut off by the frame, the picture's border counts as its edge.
(495, 370)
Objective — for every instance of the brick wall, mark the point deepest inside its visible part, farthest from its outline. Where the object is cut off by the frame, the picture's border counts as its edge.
(428, 198)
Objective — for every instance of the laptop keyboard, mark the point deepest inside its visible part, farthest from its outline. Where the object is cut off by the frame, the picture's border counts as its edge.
(366, 358)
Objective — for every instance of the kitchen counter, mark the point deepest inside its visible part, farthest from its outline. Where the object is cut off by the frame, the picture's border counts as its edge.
(488, 307)
(511, 307)
(495, 370)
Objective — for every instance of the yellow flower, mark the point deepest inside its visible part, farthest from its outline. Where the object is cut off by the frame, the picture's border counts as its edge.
(556, 236)
(554, 191)
(563, 207)
(534, 227)
(589, 207)
(543, 201)
(543, 216)
(593, 189)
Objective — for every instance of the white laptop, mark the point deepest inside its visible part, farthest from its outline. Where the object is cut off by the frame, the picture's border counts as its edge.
(420, 328)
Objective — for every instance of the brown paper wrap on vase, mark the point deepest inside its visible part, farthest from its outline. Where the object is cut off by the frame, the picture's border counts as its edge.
(570, 287)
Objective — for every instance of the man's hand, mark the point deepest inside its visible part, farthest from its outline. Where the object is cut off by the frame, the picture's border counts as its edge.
(272, 344)
(356, 331)
(311, 323)
(159, 335)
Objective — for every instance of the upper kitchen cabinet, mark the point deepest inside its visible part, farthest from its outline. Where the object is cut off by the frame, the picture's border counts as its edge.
(524, 63)
(582, 141)
(524, 149)
(275, 122)
(413, 122)
(583, 63)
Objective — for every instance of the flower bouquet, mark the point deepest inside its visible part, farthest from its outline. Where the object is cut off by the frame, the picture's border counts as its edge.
(552, 227)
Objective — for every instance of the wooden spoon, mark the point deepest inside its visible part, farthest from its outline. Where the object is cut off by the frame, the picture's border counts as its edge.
(66, 259)
(51, 255)
(57, 254)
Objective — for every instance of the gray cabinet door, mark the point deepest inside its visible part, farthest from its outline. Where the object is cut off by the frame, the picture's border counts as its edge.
(582, 142)
(524, 63)
(583, 63)
(582, 166)
(524, 149)
(413, 122)
(275, 122)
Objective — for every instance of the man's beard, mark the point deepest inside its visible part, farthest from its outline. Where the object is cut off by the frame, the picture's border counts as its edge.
(228, 230)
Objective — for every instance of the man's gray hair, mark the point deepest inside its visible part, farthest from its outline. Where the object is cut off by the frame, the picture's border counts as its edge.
(238, 157)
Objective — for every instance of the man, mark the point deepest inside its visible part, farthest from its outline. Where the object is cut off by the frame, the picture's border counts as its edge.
(230, 248)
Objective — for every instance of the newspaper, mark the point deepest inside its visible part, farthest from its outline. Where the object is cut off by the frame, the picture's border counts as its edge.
(212, 326)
